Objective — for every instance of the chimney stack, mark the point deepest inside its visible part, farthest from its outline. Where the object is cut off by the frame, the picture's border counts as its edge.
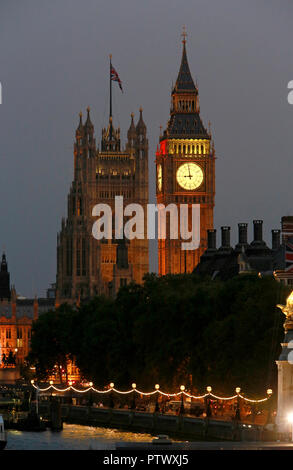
(276, 236)
(212, 240)
(242, 234)
(257, 230)
(225, 232)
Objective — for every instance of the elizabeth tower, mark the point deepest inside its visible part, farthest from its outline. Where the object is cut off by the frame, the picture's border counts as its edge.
(185, 166)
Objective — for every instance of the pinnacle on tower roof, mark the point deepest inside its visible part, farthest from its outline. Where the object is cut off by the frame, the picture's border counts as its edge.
(184, 80)
(80, 125)
(131, 131)
(140, 127)
(4, 263)
(88, 122)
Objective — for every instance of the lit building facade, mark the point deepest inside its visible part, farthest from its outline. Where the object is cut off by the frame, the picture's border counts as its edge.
(185, 165)
(16, 318)
(86, 266)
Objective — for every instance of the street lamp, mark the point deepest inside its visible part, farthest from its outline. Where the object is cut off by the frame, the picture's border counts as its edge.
(269, 394)
(37, 397)
(290, 420)
(133, 398)
(70, 396)
(111, 395)
(157, 409)
(237, 414)
(208, 404)
(51, 383)
(181, 412)
(91, 394)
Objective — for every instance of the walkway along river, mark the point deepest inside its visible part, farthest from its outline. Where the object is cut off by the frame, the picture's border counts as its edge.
(154, 423)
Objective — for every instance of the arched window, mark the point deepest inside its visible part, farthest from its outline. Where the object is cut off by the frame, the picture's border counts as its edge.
(79, 206)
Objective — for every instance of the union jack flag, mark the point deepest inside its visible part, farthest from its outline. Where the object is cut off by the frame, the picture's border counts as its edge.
(115, 77)
(289, 255)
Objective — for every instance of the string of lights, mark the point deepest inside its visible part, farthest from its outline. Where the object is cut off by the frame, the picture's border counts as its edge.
(156, 391)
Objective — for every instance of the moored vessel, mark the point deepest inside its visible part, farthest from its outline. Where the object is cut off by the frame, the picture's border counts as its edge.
(3, 435)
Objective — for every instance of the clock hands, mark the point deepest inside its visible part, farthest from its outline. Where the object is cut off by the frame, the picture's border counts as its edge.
(189, 175)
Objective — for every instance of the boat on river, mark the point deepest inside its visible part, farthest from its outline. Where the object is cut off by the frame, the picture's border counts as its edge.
(3, 435)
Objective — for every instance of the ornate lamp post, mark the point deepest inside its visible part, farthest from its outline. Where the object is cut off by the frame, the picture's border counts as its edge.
(133, 396)
(70, 396)
(111, 395)
(157, 409)
(285, 368)
(37, 397)
(237, 413)
(269, 394)
(208, 402)
(182, 410)
(91, 394)
(51, 383)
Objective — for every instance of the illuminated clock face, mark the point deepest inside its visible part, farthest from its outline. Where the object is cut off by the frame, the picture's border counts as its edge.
(159, 177)
(189, 176)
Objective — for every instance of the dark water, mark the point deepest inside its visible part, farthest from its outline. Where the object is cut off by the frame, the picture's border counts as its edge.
(72, 437)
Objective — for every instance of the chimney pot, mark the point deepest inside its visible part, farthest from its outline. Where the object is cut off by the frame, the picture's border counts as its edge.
(212, 239)
(276, 236)
(225, 232)
(257, 230)
(242, 233)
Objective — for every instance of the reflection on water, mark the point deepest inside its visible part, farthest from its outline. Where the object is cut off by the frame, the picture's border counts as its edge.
(72, 437)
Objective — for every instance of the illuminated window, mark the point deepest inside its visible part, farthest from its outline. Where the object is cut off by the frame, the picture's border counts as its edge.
(79, 206)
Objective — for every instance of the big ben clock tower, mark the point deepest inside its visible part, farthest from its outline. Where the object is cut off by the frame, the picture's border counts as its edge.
(185, 166)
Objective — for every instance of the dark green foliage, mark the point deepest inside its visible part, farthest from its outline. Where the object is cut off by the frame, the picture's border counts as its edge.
(52, 341)
(172, 330)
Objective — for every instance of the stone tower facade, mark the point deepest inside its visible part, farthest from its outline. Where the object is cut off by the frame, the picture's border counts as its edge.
(185, 162)
(285, 370)
(86, 266)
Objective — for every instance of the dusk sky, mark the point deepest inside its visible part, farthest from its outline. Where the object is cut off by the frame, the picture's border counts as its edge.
(54, 62)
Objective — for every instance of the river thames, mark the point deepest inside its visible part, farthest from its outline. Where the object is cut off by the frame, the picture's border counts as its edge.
(72, 437)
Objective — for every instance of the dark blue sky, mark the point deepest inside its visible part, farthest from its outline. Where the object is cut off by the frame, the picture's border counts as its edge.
(54, 63)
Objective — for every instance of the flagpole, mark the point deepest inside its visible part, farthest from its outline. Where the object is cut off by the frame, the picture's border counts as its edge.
(110, 118)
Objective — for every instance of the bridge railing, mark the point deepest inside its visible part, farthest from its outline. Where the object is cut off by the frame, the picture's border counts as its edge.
(235, 407)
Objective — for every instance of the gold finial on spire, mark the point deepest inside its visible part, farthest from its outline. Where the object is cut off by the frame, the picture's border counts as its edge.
(110, 55)
(184, 35)
(88, 109)
(140, 109)
(132, 115)
(80, 114)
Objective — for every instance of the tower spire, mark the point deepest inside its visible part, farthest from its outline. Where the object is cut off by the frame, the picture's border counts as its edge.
(184, 35)
(110, 114)
(184, 80)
